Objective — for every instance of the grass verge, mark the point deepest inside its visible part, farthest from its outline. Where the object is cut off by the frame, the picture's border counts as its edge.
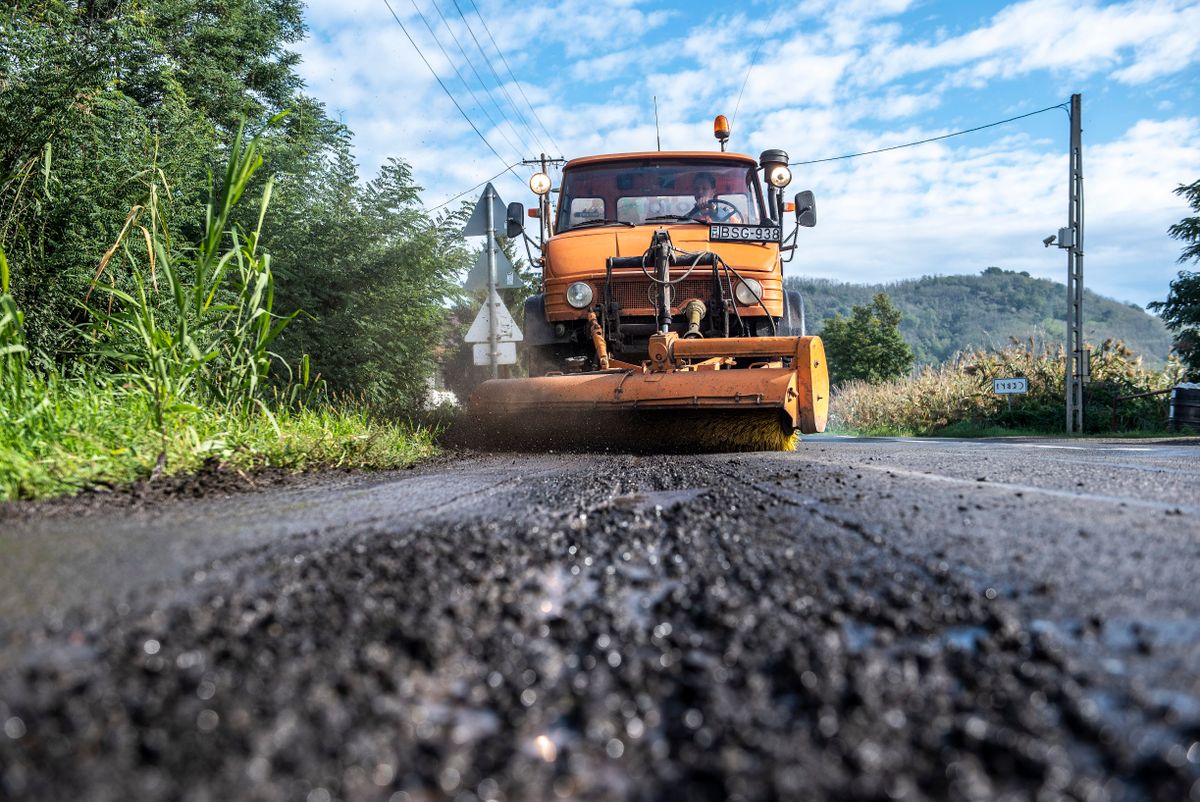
(91, 433)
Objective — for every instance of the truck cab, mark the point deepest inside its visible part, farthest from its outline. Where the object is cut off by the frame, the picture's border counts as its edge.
(721, 224)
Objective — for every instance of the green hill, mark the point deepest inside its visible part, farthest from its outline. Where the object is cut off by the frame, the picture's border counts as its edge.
(945, 314)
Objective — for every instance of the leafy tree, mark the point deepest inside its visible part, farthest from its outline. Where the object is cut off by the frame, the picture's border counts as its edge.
(1181, 310)
(867, 345)
(1188, 229)
(373, 275)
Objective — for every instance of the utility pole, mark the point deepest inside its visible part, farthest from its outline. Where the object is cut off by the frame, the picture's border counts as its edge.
(1071, 238)
(543, 162)
(543, 212)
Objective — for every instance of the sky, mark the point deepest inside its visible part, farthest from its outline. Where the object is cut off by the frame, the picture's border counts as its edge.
(817, 78)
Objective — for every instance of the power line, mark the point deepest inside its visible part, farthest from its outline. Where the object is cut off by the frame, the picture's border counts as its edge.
(753, 61)
(520, 89)
(478, 77)
(462, 80)
(472, 189)
(930, 139)
(437, 78)
(500, 83)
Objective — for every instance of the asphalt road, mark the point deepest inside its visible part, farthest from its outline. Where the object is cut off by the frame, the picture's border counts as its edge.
(862, 619)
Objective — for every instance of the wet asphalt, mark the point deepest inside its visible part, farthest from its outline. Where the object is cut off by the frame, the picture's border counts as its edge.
(868, 619)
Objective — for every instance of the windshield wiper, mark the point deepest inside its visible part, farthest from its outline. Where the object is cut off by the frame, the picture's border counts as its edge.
(588, 223)
(680, 217)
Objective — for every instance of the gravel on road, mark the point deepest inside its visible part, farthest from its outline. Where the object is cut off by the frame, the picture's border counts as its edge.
(826, 625)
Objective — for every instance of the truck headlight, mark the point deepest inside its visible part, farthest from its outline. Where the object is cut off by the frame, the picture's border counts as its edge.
(779, 175)
(579, 294)
(748, 292)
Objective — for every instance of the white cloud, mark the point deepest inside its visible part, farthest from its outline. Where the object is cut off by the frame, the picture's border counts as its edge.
(582, 27)
(1146, 40)
(938, 209)
(896, 104)
(831, 77)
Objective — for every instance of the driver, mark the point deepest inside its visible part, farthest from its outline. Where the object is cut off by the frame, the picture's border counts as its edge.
(709, 208)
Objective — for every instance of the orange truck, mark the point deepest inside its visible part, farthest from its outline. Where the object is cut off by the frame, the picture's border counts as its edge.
(663, 323)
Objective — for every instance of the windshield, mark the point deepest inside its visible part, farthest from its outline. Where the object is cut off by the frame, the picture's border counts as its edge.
(637, 191)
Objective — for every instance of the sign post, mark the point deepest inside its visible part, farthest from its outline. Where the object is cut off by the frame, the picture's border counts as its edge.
(1010, 387)
(495, 325)
(506, 275)
(494, 333)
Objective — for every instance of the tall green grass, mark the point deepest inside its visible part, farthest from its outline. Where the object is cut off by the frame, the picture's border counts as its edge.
(13, 354)
(175, 365)
(206, 335)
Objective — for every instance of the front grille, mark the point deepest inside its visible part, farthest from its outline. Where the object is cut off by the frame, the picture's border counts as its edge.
(639, 295)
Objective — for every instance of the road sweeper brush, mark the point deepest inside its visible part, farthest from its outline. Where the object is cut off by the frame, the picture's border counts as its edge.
(690, 395)
(663, 324)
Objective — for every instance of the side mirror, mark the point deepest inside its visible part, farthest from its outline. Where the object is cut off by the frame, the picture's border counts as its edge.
(806, 209)
(514, 219)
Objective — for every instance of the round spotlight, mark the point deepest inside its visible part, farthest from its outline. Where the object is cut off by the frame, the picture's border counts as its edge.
(748, 292)
(779, 175)
(774, 164)
(539, 183)
(579, 294)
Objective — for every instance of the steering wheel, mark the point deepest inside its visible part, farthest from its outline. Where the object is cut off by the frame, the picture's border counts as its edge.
(719, 216)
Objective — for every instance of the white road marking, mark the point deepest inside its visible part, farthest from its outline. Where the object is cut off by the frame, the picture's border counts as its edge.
(1042, 445)
(1098, 447)
(1130, 502)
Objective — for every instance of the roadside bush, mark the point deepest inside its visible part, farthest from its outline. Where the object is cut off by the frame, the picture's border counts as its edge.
(175, 372)
(957, 394)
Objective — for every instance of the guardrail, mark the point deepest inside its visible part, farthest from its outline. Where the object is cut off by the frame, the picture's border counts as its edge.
(1113, 425)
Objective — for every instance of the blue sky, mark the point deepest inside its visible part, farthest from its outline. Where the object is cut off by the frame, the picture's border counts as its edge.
(831, 77)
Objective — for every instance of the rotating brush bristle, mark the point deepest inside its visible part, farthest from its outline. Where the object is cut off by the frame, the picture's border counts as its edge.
(756, 431)
(658, 432)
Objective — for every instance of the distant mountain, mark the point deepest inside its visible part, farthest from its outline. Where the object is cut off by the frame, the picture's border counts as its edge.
(945, 314)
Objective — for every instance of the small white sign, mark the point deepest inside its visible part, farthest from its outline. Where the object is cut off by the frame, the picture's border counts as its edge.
(1016, 386)
(506, 353)
(506, 327)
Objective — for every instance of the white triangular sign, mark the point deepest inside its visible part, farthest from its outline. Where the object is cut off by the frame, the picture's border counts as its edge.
(477, 225)
(506, 274)
(506, 327)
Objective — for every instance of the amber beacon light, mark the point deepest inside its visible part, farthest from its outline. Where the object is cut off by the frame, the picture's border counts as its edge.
(721, 129)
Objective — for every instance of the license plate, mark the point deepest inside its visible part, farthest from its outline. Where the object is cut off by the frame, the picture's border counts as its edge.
(723, 232)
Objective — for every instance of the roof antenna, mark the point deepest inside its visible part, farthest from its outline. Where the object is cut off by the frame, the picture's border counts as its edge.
(657, 134)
